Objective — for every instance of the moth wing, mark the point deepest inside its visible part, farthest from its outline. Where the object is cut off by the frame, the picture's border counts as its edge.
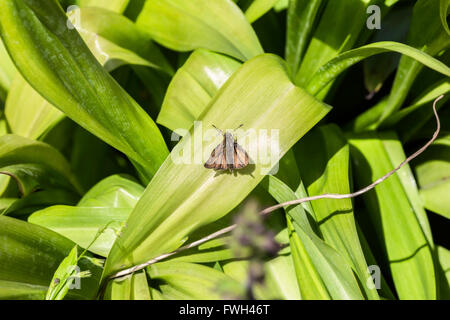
(216, 158)
(240, 157)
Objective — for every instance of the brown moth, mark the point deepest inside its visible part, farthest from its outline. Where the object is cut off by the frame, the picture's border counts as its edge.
(228, 154)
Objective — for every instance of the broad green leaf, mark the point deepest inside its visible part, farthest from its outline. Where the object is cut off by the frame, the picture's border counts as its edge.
(258, 8)
(310, 284)
(323, 159)
(10, 290)
(57, 63)
(322, 272)
(106, 205)
(31, 254)
(28, 113)
(81, 224)
(279, 280)
(384, 290)
(7, 72)
(116, 40)
(219, 249)
(395, 212)
(336, 66)
(281, 277)
(191, 281)
(183, 196)
(131, 287)
(337, 31)
(300, 20)
(187, 25)
(433, 175)
(281, 5)
(193, 87)
(117, 191)
(118, 6)
(34, 165)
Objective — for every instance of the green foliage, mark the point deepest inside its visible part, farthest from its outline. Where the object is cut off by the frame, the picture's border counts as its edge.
(107, 115)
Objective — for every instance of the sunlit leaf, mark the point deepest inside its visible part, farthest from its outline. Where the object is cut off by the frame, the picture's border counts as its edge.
(187, 191)
(107, 205)
(113, 5)
(183, 280)
(70, 78)
(34, 165)
(396, 213)
(258, 8)
(131, 287)
(184, 26)
(324, 154)
(30, 256)
(193, 87)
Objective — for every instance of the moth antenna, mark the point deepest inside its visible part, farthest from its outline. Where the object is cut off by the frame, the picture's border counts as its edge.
(218, 129)
(240, 126)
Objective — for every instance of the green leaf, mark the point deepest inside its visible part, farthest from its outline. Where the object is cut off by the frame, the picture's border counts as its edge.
(106, 205)
(322, 272)
(183, 26)
(81, 224)
(117, 191)
(396, 214)
(30, 256)
(342, 62)
(28, 114)
(279, 281)
(10, 290)
(116, 40)
(118, 6)
(281, 5)
(433, 175)
(131, 287)
(114, 44)
(337, 31)
(7, 72)
(34, 165)
(183, 196)
(57, 63)
(300, 20)
(258, 8)
(193, 87)
(324, 154)
(184, 280)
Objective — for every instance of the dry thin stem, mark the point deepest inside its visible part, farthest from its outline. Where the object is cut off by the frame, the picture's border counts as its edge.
(289, 203)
